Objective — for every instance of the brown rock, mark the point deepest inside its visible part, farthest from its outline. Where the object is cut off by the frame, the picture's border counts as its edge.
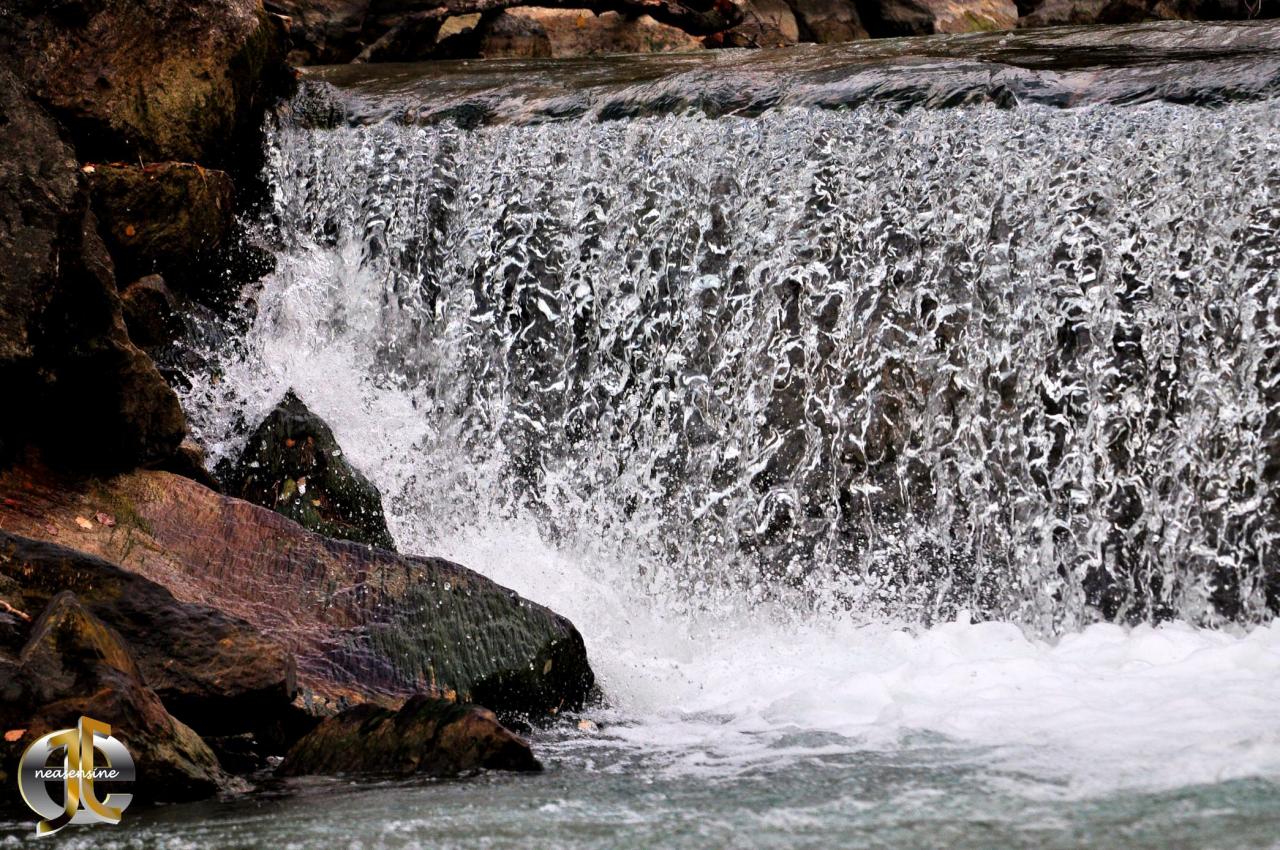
(365, 624)
(74, 665)
(534, 31)
(168, 217)
(151, 312)
(427, 736)
(765, 23)
(927, 17)
(148, 78)
(828, 21)
(1056, 12)
(76, 385)
(214, 671)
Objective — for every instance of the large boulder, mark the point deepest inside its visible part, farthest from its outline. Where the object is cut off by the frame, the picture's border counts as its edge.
(828, 21)
(293, 465)
(149, 79)
(886, 18)
(75, 665)
(169, 218)
(214, 671)
(534, 31)
(365, 624)
(74, 383)
(426, 736)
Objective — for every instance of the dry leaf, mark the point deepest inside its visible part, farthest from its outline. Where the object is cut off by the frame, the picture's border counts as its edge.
(84, 523)
(105, 519)
(14, 735)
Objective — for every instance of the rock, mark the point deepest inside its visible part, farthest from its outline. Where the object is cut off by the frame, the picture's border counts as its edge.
(530, 32)
(151, 312)
(191, 461)
(1056, 12)
(65, 357)
(364, 624)
(169, 218)
(74, 665)
(293, 465)
(213, 671)
(828, 21)
(150, 79)
(427, 736)
(888, 18)
(765, 23)
(328, 31)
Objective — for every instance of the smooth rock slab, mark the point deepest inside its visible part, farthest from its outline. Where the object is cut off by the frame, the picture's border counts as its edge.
(365, 624)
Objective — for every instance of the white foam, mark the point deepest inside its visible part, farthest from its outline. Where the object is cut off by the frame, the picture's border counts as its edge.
(1102, 709)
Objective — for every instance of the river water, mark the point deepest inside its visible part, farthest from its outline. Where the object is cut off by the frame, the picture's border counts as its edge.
(897, 423)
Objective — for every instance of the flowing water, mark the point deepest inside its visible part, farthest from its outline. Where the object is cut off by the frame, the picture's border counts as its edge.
(910, 472)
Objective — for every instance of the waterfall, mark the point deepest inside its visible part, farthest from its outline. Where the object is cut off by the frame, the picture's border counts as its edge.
(1019, 363)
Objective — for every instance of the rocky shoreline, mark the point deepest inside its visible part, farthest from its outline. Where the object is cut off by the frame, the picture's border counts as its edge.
(214, 634)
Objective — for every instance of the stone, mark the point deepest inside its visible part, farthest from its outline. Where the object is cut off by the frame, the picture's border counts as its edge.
(765, 23)
(151, 312)
(426, 736)
(75, 665)
(365, 624)
(170, 218)
(293, 465)
(150, 79)
(1076, 12)
(213, 671)
(562, 33)
(889, 18)
(65, 356)
(828, 21)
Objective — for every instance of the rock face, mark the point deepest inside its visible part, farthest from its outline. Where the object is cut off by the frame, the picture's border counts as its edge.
(293, 465)
(1046, 13)
(927, 17)
(151, 312)
(65, 357)
(532, 32)
(427, 736)
(828, 21)
(212, 670)
(168, 218)
(364, 624)
(73, 664)
(150, 79)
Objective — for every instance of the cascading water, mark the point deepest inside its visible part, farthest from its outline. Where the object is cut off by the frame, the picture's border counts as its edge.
(765, 403)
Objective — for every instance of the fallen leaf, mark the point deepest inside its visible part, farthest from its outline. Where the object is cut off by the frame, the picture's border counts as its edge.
(84, 523)
(290, 442)
(52, 530)
(14, 735)
(88, 169)
(129, 230)
(105, 519)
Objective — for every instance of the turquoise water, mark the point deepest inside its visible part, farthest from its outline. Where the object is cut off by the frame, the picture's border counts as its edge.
(595, 794)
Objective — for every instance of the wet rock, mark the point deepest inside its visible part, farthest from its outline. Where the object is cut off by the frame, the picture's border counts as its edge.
(828, 21)
(149, 79)
(532, 32)
(427, 736)
(191, 461)
(887, 18)
(365, 624)
(214, 671)
(169, 218)
(1046, 13)
(73, 665)
(151, 312)
(765, 23)
(293, 465)
(65, 357)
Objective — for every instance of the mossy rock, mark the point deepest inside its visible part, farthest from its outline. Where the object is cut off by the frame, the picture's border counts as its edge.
(293, 465)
